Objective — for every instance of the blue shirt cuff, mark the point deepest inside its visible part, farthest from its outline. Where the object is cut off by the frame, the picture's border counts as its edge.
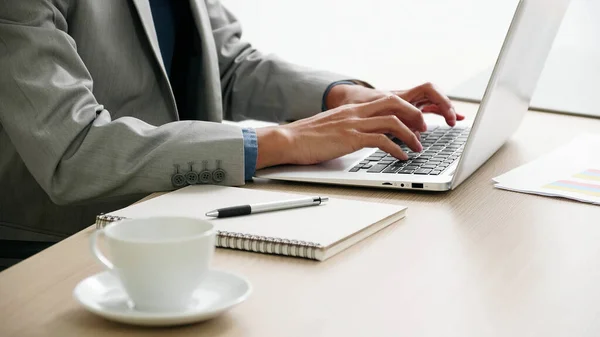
(250, 152)
(323, 105)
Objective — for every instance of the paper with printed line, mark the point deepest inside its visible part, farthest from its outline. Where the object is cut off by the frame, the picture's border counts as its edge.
(571, 171)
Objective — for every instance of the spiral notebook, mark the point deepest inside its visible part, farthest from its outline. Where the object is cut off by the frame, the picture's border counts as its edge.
(315, 232)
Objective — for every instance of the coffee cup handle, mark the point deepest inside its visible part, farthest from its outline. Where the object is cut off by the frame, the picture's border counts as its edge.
(96, 251)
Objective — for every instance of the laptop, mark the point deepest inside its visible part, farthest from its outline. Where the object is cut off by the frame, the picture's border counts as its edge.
(451, 154)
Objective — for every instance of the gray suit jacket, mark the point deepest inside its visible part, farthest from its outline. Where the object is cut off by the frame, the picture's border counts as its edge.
(88, 119)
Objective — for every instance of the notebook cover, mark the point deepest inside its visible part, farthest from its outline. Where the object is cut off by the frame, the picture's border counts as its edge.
(322, 227)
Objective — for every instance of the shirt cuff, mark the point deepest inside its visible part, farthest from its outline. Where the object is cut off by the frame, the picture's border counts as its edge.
(324, 99)
(250, 152)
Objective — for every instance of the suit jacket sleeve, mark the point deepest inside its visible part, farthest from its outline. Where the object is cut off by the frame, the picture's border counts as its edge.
(68, 140)
(262, 86)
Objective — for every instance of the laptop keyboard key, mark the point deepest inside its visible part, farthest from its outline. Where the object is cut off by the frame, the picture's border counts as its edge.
(429, 166)
(406, 171)
(435, 172)
(392, 169)
(423, 171)
(377, 168)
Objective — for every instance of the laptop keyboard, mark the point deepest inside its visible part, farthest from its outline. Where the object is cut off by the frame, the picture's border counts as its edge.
(441, 147)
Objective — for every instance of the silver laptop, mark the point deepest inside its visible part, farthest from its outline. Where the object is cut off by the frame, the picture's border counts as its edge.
(450, 155)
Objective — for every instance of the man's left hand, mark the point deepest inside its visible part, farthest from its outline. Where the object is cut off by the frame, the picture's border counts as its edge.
(426, 97)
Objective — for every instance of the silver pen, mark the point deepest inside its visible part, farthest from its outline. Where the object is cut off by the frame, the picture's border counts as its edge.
(266, 207)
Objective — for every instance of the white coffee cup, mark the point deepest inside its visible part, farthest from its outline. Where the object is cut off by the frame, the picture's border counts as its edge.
(160, 261)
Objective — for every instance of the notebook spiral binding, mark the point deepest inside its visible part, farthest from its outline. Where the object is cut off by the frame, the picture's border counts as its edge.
(252, 243)
(267, 245)
(102, 220)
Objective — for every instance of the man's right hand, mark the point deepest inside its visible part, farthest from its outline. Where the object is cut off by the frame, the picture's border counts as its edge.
(341, 131)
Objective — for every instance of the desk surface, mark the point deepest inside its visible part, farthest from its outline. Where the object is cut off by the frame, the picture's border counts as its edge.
(476, 261)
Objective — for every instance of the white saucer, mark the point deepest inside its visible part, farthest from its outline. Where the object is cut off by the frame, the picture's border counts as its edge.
(104, 295)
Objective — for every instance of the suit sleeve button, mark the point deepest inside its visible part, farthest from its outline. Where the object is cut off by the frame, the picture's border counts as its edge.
(218, 175)
(191, 177)
(205, 174)
(178, 180)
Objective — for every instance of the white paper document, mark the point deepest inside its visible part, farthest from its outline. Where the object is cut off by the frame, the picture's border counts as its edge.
(572, 171)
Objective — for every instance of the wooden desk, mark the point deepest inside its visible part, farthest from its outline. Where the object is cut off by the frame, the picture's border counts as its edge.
(476, 261)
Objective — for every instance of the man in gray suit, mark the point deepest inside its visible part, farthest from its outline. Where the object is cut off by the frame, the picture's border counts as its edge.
(102, 102)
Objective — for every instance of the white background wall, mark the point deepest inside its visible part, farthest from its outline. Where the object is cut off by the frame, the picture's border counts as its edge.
(399, 43)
